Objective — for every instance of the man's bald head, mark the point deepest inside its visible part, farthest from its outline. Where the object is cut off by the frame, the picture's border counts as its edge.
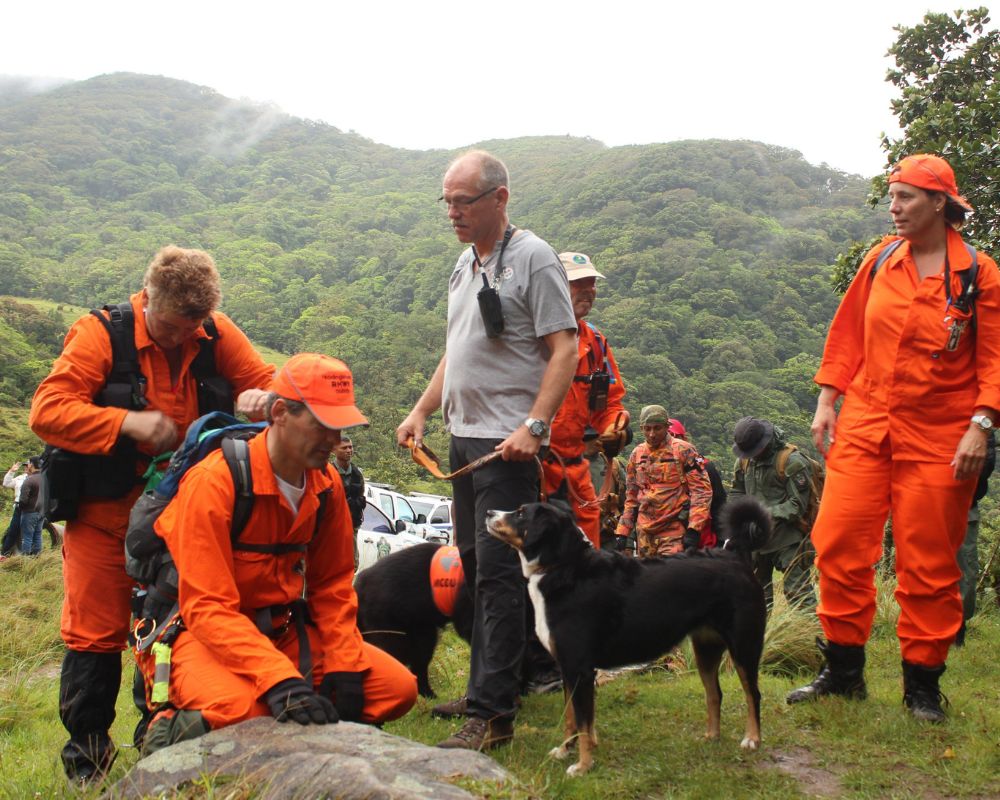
(489, 170)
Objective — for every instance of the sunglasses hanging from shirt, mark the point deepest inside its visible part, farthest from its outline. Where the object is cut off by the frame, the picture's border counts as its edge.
(490, 307)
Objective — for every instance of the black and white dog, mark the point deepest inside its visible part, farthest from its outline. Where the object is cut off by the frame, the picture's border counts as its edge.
(596, 608)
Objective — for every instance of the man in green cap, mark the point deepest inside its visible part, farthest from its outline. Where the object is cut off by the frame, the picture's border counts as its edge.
(668, 494)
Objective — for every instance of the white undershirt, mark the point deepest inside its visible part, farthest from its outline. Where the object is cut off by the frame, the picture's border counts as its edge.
(293, 494)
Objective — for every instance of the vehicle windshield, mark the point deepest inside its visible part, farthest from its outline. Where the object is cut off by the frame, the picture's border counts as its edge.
(422, 507)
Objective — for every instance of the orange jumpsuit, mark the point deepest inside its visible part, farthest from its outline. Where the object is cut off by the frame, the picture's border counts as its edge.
(667, 491)
(95, 612)
(573, 417)
(222, 664)
(907, 403)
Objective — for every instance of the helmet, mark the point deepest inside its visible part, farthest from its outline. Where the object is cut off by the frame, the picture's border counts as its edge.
(677, 428)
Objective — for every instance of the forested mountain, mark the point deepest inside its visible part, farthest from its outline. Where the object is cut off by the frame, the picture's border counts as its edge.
(717, 252)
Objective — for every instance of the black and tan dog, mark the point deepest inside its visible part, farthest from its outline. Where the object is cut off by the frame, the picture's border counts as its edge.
(406, 598)
(596, 608)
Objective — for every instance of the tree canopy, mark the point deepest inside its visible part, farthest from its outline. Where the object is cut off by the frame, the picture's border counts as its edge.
(717, 253)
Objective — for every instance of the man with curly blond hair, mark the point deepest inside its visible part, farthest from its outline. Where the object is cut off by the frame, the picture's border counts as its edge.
(129, 381)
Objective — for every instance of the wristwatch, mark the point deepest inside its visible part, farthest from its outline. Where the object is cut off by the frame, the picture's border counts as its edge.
(536, 427)
(983, 422)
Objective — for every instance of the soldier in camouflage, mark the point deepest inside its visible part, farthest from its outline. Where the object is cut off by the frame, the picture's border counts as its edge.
(758, 444)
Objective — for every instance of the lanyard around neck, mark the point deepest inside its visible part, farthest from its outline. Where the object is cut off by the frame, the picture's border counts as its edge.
(498, 272)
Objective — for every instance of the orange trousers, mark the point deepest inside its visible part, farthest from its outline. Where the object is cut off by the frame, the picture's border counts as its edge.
(929, 510)
(199, 682)
(588, 517)
(96, 590)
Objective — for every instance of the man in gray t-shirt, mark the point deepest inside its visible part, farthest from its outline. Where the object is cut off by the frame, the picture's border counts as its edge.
(499, 385)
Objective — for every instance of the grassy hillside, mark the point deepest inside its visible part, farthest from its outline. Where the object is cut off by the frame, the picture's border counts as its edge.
(650, 725)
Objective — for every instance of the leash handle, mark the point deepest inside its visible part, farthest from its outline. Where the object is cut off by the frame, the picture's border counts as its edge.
(426, 458)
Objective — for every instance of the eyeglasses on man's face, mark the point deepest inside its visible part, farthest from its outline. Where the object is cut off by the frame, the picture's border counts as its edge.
(464, 202)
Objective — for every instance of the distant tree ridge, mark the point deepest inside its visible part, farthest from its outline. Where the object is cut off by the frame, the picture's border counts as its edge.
(717, 252)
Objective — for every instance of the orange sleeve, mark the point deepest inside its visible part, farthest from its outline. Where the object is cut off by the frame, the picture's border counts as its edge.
(333, 604)
(196, 527)
(602, 420)
(844, 349)
(698, 485)
(237, 359)
(63, 412)
(988, 334)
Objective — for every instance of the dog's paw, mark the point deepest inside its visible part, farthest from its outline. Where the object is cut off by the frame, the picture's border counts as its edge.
(749, 743)
(577, 769)
(560, 753)
(712, 736)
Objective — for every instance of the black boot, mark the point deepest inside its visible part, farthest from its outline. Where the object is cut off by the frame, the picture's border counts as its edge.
(921, 693)
(842, 675)
(88, 689)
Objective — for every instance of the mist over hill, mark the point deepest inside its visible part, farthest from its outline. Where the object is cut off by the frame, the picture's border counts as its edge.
(716, 252)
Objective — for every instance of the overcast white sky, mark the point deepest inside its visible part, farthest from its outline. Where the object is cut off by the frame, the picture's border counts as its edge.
(429, 74)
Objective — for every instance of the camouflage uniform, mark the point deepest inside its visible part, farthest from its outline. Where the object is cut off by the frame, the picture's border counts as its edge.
(789, 548)
(667, 492)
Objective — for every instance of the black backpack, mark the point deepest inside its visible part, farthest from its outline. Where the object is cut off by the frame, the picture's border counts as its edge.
(966, 300)
(68, 476)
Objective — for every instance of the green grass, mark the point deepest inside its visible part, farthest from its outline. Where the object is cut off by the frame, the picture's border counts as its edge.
(650, 725)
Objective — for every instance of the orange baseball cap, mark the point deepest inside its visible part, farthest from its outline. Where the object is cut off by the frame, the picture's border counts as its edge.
(324, 384)
(928, 172)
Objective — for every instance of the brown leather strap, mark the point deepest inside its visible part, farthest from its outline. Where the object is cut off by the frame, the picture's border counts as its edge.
(606, 484)
(426, 458)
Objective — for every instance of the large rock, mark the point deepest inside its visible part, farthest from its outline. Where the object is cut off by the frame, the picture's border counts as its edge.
(296, 761)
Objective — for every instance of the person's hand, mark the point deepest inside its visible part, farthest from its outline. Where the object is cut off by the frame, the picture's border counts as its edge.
(411, 428)
(253, 403)
(347, 690)
(294, 699)
(151, 427)
(520, 445)
(612, 440)
(691, 539)
(15, 466)
(971, 453)
(823, 425)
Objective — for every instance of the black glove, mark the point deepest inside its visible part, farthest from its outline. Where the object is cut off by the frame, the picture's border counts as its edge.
(294, 699)
(348, 692)
(691, 539)
(621, 543)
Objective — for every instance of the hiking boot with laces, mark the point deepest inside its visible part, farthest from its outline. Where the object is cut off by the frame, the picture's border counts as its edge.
(480, 734)
(921, 694)
(843, 675)
(451, 709)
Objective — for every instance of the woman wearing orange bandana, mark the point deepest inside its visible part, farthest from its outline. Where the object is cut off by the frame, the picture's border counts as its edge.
(914, 350)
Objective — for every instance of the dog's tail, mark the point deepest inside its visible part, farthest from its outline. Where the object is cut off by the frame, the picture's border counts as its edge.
(745, 524)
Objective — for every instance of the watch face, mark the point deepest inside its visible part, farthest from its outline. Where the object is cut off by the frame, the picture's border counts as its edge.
(537, 428)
